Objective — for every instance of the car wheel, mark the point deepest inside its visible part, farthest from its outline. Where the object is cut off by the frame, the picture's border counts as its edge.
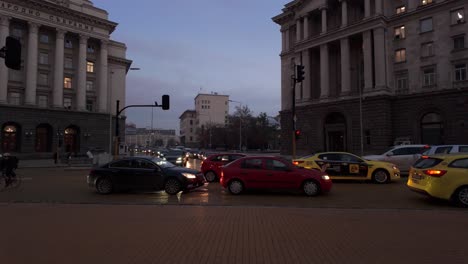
(381, 176)
(461, 196)
(104, 186)
(310, 188)
(236, 187)
(172, 186)
(210, 176)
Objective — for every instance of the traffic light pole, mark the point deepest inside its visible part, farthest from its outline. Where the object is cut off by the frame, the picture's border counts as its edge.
(293, 112)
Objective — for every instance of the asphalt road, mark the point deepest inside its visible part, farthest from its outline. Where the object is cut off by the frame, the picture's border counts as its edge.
(61, 185)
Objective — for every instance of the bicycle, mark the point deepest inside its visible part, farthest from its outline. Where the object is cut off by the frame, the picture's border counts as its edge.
(15, 182)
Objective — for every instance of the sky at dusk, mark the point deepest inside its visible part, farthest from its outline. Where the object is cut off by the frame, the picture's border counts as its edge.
(186, 47)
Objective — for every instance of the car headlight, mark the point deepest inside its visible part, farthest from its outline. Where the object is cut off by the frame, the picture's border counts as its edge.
(179, 158)
(189, 175)
(326, 177)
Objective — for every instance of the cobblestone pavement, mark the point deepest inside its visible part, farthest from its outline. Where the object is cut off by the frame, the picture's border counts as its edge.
(44, 233)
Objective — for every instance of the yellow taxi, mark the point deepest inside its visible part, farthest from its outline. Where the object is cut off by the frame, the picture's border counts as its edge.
(441, 176)
(347, 166)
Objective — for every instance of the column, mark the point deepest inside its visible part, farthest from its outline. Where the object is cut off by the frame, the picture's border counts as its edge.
(283, 40)
(81, 85)
(298, 30)
(324, 19)
(367, 51)
(306, 88)
(31, 65)
(288, 42)
(378, 7)
(367, 8)
(324, 75)
(345, 67)
(344, 13)
(4, 32)
(379, 56)
(306, 27)
(102, 95)
(58, 69)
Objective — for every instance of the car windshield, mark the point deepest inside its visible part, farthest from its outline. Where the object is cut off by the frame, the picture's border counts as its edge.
(162, 163)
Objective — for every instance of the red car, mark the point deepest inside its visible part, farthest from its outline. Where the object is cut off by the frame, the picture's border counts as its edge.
(265, 172)
(210, 166)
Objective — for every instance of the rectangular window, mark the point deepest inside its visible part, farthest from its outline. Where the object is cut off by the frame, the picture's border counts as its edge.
(90, 66)
(44, 58)
(400, 32)
(457, 16)
(89, 105)
(429, 77)
(43, 79)
(67, 82)
(459, 42)
(14, 98)
(68, 44)
(400, 55)
(44, 38)
(427, 49)
(401, 9)
(425, 25)
(91, 48)
(402, 81)
(68, 63)
(426, 2)
(42, 101)
(89, 86)
(67, 102)
(460, 72)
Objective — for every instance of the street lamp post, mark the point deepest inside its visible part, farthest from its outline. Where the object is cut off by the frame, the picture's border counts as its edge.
(240, 123)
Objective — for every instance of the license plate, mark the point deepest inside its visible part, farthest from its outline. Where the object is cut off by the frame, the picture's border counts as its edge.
(417, 177)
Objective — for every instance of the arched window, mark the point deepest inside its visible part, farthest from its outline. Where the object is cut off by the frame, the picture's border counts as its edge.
(11, 133)
(70, 139)
(431, 129)
(43, 138)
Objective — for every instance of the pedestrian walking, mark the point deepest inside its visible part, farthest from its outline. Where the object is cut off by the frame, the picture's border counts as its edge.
(9, 165)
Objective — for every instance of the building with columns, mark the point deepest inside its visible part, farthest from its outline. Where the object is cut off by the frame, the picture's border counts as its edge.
(375, 71)
(72, 73)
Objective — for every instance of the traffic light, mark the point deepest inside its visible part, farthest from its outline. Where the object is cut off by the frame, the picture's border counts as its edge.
(165, 102)
(12, 53)
(297, 133)
(299, 73)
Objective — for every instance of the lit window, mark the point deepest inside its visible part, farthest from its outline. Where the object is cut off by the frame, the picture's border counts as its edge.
(459, 42)
(458, 16)
(460, 72)
(400, 32)
(44, 38)
(90, 66)
(68, 63)
(43, 79)
(89, 86)
(426, 2)
(401, 9)
(400, 55)
(91, 49)
(43, 58)
(89, 105)
(427, 49)
(426, 25)
(67, 82)
(68, 44)
(42, 101)
(429, 77)
(14, 98)
(67, 102)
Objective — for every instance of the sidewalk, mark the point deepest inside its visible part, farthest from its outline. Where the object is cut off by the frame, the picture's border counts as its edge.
(48, 163)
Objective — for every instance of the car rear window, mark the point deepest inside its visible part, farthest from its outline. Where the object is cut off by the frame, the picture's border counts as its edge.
(424, 163)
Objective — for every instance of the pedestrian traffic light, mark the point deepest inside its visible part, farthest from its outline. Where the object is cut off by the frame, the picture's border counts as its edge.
(12, 53)
(165, 102)
(297, 133)
(299, 73)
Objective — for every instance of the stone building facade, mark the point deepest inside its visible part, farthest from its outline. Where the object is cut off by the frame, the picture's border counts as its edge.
(63, 98)
(375, 71)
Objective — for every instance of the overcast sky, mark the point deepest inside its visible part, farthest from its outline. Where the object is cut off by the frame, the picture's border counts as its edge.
(186, 47)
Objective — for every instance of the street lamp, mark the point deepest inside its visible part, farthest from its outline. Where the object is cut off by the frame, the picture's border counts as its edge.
(240, 123)
(110, 105)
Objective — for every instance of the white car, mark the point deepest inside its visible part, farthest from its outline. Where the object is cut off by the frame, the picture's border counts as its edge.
(446, 149)
(402, 156)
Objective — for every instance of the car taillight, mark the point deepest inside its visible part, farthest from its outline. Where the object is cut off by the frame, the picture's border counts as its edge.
(222, 174)
(297, 162)
(435, 173)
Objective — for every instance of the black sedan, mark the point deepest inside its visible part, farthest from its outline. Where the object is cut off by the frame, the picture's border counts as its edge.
(144, 173)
